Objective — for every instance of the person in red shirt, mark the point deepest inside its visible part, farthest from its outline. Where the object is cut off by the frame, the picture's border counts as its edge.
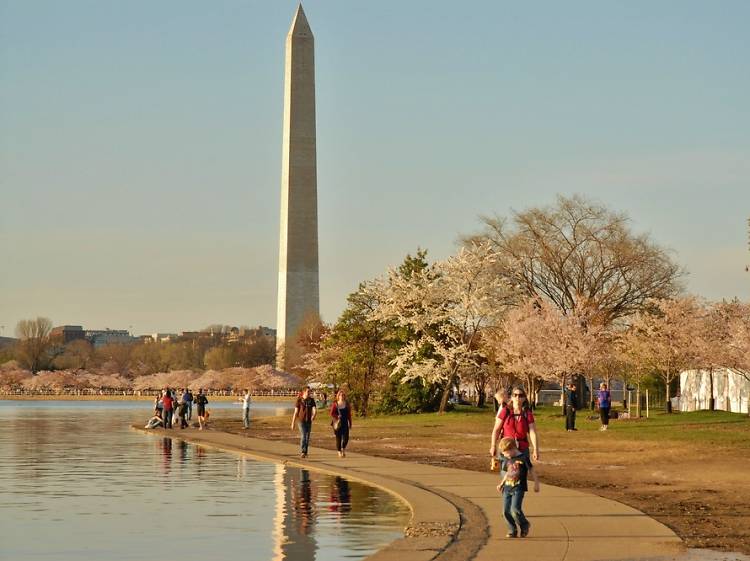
(168, 405)
(516, 421)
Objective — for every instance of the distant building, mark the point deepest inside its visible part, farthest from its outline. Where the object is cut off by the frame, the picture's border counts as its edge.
(101, 337)
(164, 337)
(64, 334)
(249, 335)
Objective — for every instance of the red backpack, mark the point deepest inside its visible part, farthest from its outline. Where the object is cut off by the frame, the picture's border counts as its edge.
(507, 413)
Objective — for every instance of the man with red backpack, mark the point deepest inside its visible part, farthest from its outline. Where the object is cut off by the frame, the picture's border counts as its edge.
(516, 421)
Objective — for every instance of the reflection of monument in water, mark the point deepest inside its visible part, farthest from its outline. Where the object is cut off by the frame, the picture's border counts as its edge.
(298, 297)
(294, 517)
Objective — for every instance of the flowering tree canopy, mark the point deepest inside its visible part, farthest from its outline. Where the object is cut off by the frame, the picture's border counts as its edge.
(446, 306)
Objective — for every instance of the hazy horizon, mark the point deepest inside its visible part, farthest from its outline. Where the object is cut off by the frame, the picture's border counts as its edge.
(140, 143)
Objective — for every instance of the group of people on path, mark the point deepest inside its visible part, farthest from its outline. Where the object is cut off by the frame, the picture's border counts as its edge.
(168, 409)
(305, 411)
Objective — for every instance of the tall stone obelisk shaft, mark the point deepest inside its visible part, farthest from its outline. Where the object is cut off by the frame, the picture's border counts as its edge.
(298, 247)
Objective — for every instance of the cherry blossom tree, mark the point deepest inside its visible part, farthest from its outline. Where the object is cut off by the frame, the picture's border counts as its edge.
(663, 338)
(537, 340)
(446, 306)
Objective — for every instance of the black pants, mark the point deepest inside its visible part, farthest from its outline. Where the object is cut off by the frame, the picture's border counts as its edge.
(604, 414)
(342, 437)
(570, 418)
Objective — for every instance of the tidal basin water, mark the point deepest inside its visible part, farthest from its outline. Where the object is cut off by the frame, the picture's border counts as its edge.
(76, 483)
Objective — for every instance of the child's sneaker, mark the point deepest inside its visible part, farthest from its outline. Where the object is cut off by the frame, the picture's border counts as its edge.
(525, 531)
(511, 535)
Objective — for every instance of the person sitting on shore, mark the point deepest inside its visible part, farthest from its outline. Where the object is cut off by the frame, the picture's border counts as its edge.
(154, 422)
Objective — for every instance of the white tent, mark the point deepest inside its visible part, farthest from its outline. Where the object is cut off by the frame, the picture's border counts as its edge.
(731, 390)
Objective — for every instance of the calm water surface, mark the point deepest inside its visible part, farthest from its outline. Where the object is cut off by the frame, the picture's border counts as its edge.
(76, 483)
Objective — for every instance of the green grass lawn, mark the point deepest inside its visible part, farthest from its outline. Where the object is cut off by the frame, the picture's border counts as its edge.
(717, 428)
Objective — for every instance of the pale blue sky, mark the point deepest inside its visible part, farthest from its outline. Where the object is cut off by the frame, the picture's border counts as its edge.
(140, 142)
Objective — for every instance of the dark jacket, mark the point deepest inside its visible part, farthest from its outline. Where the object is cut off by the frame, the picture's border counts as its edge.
(571, 398)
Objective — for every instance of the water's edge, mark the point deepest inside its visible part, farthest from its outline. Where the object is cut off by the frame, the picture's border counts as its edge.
(435, 520)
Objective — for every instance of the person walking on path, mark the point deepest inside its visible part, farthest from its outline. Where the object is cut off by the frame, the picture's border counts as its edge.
(514, 486)
(167, 404)
(341, 421)
(304, 412)
(516, 421)
(201, 401)
(605, 405)
(571, 402)
(187, 398)
(246, 409)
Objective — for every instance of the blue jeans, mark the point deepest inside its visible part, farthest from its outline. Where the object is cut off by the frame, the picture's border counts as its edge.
(246, 417)
(304, 430)
(512, 509)
(189, 410)
(168, 419)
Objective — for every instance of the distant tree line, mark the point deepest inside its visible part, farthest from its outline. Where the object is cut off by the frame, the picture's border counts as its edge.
(36, 350)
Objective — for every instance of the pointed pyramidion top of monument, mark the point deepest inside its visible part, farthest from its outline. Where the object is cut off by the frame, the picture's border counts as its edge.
(300, 27)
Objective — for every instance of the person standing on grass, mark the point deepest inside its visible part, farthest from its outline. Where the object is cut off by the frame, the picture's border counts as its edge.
(201, 401)
(341, 421)
(514, 486)
(304, 412)
(571, 402)
(246, 409)
(605, 404)
(516, 421)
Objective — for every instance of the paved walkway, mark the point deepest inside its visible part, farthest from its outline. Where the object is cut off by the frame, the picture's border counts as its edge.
(457, 514)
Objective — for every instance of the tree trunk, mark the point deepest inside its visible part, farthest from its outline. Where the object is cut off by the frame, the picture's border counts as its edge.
(592, 402)
(711, 400)
(446, 395)
(667, 403)
(638, 400)
(562, 394)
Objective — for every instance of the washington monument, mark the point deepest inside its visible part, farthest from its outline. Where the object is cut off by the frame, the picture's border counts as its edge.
(298, 243)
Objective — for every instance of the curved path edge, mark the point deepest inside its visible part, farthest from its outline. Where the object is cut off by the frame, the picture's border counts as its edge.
(457, 514)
